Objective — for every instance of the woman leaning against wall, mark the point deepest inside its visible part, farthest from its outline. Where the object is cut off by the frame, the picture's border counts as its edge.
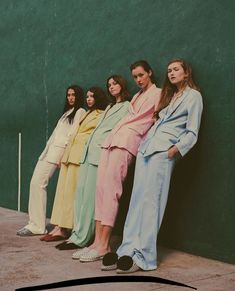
(50, 159)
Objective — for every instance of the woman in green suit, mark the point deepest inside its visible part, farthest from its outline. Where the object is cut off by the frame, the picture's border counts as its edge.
(84, 223)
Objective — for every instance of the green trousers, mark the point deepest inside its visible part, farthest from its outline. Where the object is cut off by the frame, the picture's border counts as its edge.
(84, 206)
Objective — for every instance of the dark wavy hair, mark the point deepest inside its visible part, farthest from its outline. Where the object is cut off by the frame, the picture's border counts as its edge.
(79, 101)
(101, 99)
(124, 91)
(145, 65)
(169, 89)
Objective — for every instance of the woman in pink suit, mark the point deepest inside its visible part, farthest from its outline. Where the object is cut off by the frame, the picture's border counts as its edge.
(118, 150)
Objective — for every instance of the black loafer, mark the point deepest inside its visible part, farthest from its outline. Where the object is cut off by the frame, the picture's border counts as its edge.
(126, 265)
(109, 262)
(67, 246)
(61, 244)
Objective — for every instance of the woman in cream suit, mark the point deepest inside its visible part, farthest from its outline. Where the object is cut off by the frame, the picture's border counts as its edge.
(62, 212)
(84, 223)
(172, 136)
(118, 150)
(50, 159)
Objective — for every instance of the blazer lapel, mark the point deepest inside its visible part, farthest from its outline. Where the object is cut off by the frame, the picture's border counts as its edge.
(131, 108)
(88, 118)
(144, 98)
(177, 103)
(114, 109)
(66, 114)
(105, 113)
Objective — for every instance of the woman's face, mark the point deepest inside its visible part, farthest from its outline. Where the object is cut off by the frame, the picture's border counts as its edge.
(71, 97)
(90, 100)
(114, 88)
(176, 74)
(142, 78)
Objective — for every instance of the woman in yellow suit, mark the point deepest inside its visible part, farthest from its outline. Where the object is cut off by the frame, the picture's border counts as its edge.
(62, 213)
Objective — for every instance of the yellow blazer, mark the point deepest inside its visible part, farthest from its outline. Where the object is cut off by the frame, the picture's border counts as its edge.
(78, 140)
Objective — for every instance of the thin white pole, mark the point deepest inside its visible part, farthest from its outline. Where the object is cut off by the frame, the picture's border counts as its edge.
(19, 170)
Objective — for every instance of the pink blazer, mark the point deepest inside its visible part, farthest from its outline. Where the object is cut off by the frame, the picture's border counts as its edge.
(129, 132)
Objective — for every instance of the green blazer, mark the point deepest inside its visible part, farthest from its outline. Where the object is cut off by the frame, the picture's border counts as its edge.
(109, 119)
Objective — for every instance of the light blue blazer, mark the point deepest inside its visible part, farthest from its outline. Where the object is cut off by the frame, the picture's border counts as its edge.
(177, 125)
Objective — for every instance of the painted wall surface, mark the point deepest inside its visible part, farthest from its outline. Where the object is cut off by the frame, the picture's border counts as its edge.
(47, 45)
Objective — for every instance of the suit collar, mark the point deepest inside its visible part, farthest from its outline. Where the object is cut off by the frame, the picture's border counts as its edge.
(90, 115)
(144, 98)
(66, 114)
(116, 107)
(179, 100)
(169, 110)
(110, 110)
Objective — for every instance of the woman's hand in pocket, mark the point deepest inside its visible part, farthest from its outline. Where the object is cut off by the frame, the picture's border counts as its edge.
(173, 151)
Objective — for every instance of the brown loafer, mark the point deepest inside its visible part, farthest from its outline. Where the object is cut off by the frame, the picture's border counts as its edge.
(54, 238)
(45, 237)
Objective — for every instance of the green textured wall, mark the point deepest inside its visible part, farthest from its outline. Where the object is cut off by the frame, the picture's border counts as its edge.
(47, 45)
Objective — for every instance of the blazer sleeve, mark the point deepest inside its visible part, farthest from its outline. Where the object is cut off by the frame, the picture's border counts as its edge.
(188, 140)
(49, 141)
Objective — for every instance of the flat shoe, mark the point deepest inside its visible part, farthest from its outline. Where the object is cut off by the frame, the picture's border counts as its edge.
(61, 244)
(54, 238)
(109, 268)
(79, 253)
(126, 265)
(45, 237)
(91, 256)
(25, 232)
(109, 262)
(67, 246)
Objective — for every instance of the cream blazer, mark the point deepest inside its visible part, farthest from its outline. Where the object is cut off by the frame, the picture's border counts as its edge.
(57, 142)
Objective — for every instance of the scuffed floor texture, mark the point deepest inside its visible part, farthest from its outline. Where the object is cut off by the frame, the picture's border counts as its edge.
(26, 261)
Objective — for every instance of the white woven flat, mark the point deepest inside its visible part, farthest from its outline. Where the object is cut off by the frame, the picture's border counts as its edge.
(26, 232)
(79, 253)
(91, 256)
(109, 268)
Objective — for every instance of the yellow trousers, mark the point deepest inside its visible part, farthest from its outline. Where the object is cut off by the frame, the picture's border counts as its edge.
(63, 207)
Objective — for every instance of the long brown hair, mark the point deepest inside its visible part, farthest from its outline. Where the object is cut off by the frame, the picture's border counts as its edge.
(101, 99)
(79, 101)
(168, 89)
(124, 94)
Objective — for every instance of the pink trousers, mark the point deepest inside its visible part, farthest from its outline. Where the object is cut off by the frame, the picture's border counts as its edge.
(111, 174)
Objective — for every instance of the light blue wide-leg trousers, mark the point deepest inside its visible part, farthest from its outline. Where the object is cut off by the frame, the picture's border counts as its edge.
(146, 210)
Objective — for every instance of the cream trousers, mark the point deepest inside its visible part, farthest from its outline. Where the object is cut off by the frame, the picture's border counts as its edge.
(38, 196)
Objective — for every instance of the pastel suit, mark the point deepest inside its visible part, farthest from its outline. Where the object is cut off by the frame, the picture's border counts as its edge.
(84, 223)
(178, 125)
(63, 207)
(45, 168)
(118, 151)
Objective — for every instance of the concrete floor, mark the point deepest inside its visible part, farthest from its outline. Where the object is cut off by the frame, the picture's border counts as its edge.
(28, 262)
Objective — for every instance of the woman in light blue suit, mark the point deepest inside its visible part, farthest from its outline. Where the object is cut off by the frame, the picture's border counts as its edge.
(172, 136)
